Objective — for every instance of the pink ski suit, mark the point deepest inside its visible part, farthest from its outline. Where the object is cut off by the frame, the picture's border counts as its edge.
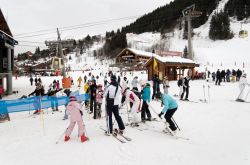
(73, 109)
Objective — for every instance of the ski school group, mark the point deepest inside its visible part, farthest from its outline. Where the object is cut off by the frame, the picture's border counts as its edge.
(117, 94)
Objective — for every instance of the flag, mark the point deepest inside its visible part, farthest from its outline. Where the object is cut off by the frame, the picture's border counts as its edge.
(155, 65)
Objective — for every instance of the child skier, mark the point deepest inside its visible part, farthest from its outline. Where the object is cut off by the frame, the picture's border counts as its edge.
(74, 110)
(170, 106)
(133, 98)
(99, 97)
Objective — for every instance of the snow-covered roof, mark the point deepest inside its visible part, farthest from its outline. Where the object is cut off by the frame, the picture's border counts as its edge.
(165, 59)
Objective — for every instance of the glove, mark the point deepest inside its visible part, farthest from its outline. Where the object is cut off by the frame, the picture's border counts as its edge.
(160, 114)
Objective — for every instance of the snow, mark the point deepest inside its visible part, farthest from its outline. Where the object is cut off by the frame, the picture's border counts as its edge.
(218, 133)
(218, 130)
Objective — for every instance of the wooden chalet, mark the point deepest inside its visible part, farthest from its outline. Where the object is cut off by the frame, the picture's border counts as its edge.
(131, 59)
(171, 66)
(7, 44)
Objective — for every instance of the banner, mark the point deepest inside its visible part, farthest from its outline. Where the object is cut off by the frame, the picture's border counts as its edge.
(34, 103)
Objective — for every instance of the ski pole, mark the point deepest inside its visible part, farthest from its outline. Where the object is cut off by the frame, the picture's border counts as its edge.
(241, 92)
(247, 94)
(61, 136)
(204, 95)
(208, 91)
(176, 124)
(127, 112)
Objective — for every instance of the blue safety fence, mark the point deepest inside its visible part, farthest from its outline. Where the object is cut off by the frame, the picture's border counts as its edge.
(37, 102)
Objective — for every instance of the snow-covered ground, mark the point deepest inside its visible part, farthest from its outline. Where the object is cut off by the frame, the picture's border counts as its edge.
(218, 131)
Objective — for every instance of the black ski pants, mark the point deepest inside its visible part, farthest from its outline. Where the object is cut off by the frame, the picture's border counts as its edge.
(185, 90)
(168, 117)
(145, 110)
(93, 105)
(113, 108)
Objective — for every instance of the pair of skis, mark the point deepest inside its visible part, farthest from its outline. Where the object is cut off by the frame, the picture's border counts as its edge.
(118, 136)
(168, 130)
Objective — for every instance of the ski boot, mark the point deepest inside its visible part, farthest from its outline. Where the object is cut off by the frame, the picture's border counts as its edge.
(66, 138)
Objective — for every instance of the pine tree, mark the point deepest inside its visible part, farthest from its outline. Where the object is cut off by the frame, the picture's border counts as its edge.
(185, 52)
(220, 27)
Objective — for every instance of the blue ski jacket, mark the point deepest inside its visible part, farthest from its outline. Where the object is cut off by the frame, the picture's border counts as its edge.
(146, 93)
(168, 102)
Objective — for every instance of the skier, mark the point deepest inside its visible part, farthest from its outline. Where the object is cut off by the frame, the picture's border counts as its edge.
(31, 81)
(133, 98)
(165, 84)
(218, 77)
(228, 75)
(180, 85)
(92, 89)
(242, 85)
(79, 80)
(170, 106)
(99, 97)
(156, 86)
(111, 95)
(185, 88)
(74, 110)
(146, 93)
(85, 79)
(86, 93)
(57, 85)
(39, 91)
(124, 86)
(53, 98)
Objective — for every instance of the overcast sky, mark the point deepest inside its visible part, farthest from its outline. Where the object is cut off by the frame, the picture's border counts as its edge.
(25, 16)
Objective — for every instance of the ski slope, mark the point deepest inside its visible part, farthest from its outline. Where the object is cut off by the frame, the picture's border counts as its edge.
(218, 133)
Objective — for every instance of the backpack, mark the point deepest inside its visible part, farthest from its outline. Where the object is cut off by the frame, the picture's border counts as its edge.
(179, 82)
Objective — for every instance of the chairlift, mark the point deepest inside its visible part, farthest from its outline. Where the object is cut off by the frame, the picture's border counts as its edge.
(57, 63)
(243, 34)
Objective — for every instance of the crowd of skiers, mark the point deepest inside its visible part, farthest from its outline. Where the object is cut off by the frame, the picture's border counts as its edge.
(131, 99)
(135, 99)
(225, 76)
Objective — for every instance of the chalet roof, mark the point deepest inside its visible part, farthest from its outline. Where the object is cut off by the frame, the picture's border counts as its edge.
(165, 59)
(3, 25)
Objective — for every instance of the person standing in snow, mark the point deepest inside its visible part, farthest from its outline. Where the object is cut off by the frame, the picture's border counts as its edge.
(85, 79)
(156, 86)
(185, 88)
(165, 84)
(99, 97)
(146, 97)
(79, 80)
(39, 92)
(111, 94)
(242, 85)
(218, 77)
(180, 85)
(170, 107)
(31, 81)
(74, 110)
(124, 86)
(92, 89)
(131, 97)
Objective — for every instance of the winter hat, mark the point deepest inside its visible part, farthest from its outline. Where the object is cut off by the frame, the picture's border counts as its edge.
(72, 98)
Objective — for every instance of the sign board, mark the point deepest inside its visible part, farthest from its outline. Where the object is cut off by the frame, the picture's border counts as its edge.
(169, 53)
(188, 10)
